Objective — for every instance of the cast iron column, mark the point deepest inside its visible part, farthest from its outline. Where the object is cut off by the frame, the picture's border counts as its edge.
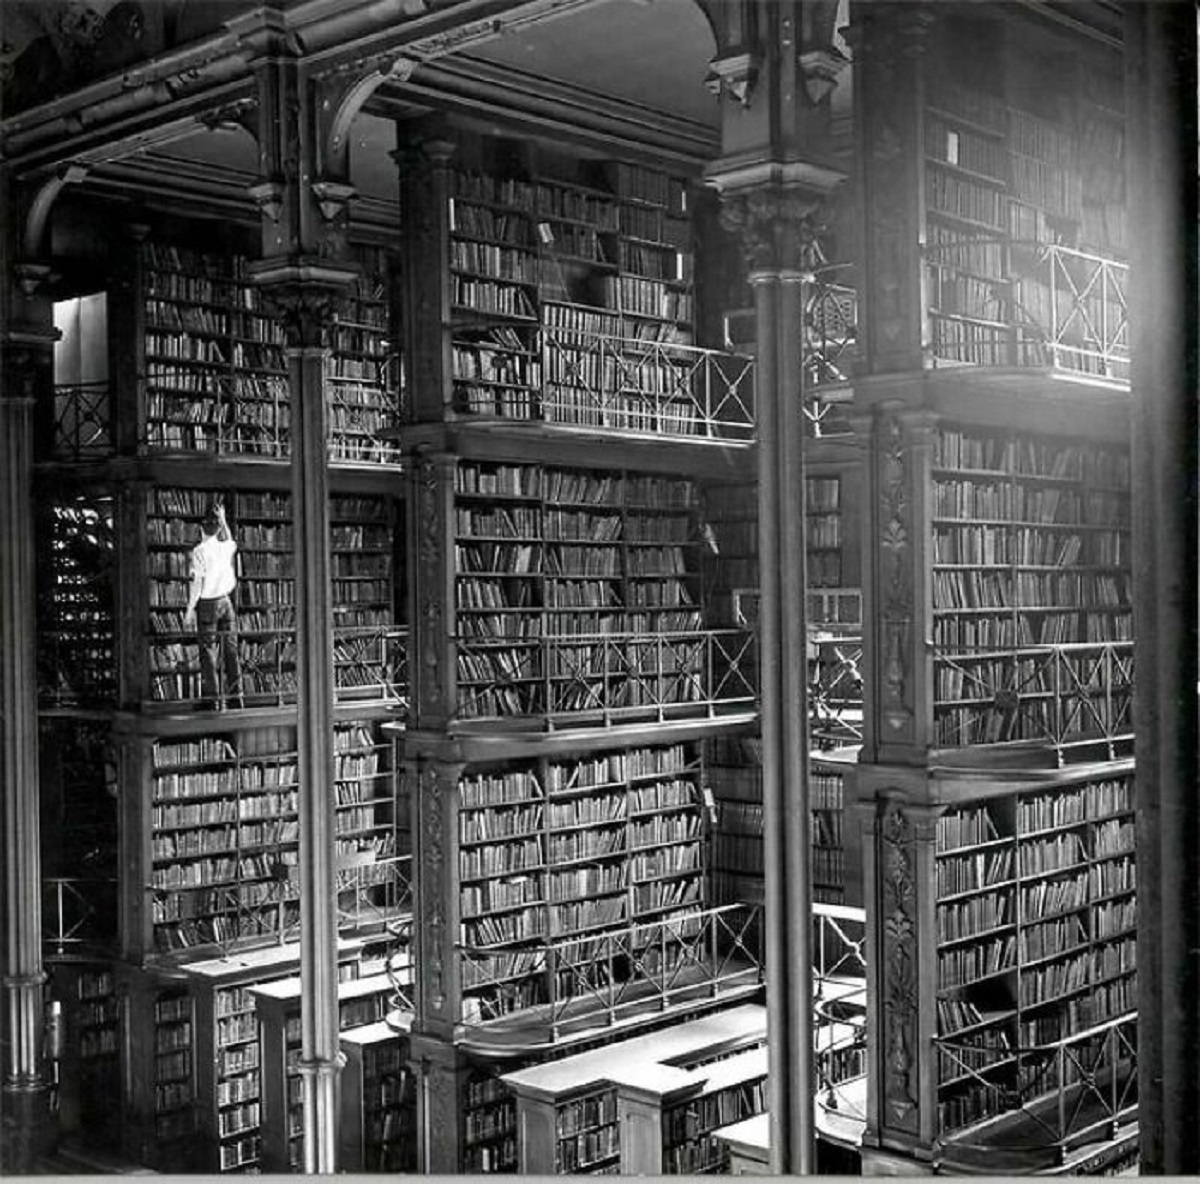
(27, 377)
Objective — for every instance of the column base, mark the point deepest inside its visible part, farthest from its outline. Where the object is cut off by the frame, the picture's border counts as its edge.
(28, 1130)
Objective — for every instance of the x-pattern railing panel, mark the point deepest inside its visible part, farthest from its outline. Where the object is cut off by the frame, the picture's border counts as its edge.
(82, 421)
(616, 672)
(1090, 1075)
(635, 385)
(831, 331)
(1061, 694)
(636, 965)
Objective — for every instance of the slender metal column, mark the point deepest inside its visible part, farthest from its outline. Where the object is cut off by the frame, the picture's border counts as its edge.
(772, 708)
(796, 815)
(27, 371)
(321, 1059)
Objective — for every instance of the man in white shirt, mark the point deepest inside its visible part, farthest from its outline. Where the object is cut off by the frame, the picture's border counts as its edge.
(210, 609)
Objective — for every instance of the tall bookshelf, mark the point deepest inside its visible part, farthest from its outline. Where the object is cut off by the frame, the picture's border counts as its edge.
(1024, 208)
(1036, 923)
(559, 607)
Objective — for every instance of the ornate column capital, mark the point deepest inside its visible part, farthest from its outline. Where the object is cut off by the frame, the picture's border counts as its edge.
(779, 226)
(304, 297)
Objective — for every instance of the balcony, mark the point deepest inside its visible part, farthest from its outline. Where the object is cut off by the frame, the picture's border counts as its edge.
(1067, 313)
(574, 987)
(601, 679)
(370, 664)
(79, 917)
(633, 386)
(1060, 1102)
(1071, 697)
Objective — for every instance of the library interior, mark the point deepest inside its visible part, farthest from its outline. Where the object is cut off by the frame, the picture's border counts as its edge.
(599, 587)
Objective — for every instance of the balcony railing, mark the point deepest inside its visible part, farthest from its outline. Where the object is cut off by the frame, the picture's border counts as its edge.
(835, 691)
(77, 667)
(1068, 313)
(370, 662)
(592, 380)
(79, 916)
(840, 1021)
(608, 677)
(82, 422)
(1064, 696)
(606, 978)
(372, 894)
(1051, 1098)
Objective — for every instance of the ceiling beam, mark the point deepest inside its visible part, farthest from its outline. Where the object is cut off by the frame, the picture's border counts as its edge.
(483, 92)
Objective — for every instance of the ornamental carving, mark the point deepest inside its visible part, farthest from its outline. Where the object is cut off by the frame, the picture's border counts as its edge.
(431, 957)
(431, 690)
(779, 226)
(896, 591)
(898, 1009)
(305, 310)
(887, 44)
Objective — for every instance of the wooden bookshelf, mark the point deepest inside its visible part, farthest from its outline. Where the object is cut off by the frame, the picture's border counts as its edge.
(1036, 923)
(645, 1104)
(89, 1071)
(363, 375)
(559, 849)
(1030, 549)
(1012, 194)
(215, 372)
(276, 1006)
(378, 1127)
(227, 1048)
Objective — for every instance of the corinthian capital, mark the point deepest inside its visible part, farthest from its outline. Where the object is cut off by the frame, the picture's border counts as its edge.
(779, 226)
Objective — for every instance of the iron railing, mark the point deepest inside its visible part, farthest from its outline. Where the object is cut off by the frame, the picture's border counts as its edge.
(840, 1019)
(1069, 1092)
(374, 892)
(363, 416)
(83, 421)
(1070, 314)
(1070, 695)
(595, 380)
(77, 667)
(370, 662)
(835, 691)
(611, 676)
(604, 977)
(79, 915)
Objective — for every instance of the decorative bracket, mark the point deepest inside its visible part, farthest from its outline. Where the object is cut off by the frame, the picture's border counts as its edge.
(43, 200)
(735, 75)
(820, 69)
(332, 197)
(268, 195)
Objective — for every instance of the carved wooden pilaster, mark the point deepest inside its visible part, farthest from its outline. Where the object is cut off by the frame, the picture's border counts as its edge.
(889, 41)
(440, 1076)
(439, 973)
(127, 323)
(425, 194)
(903, 1110)
(900, 658)
(433, 685)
